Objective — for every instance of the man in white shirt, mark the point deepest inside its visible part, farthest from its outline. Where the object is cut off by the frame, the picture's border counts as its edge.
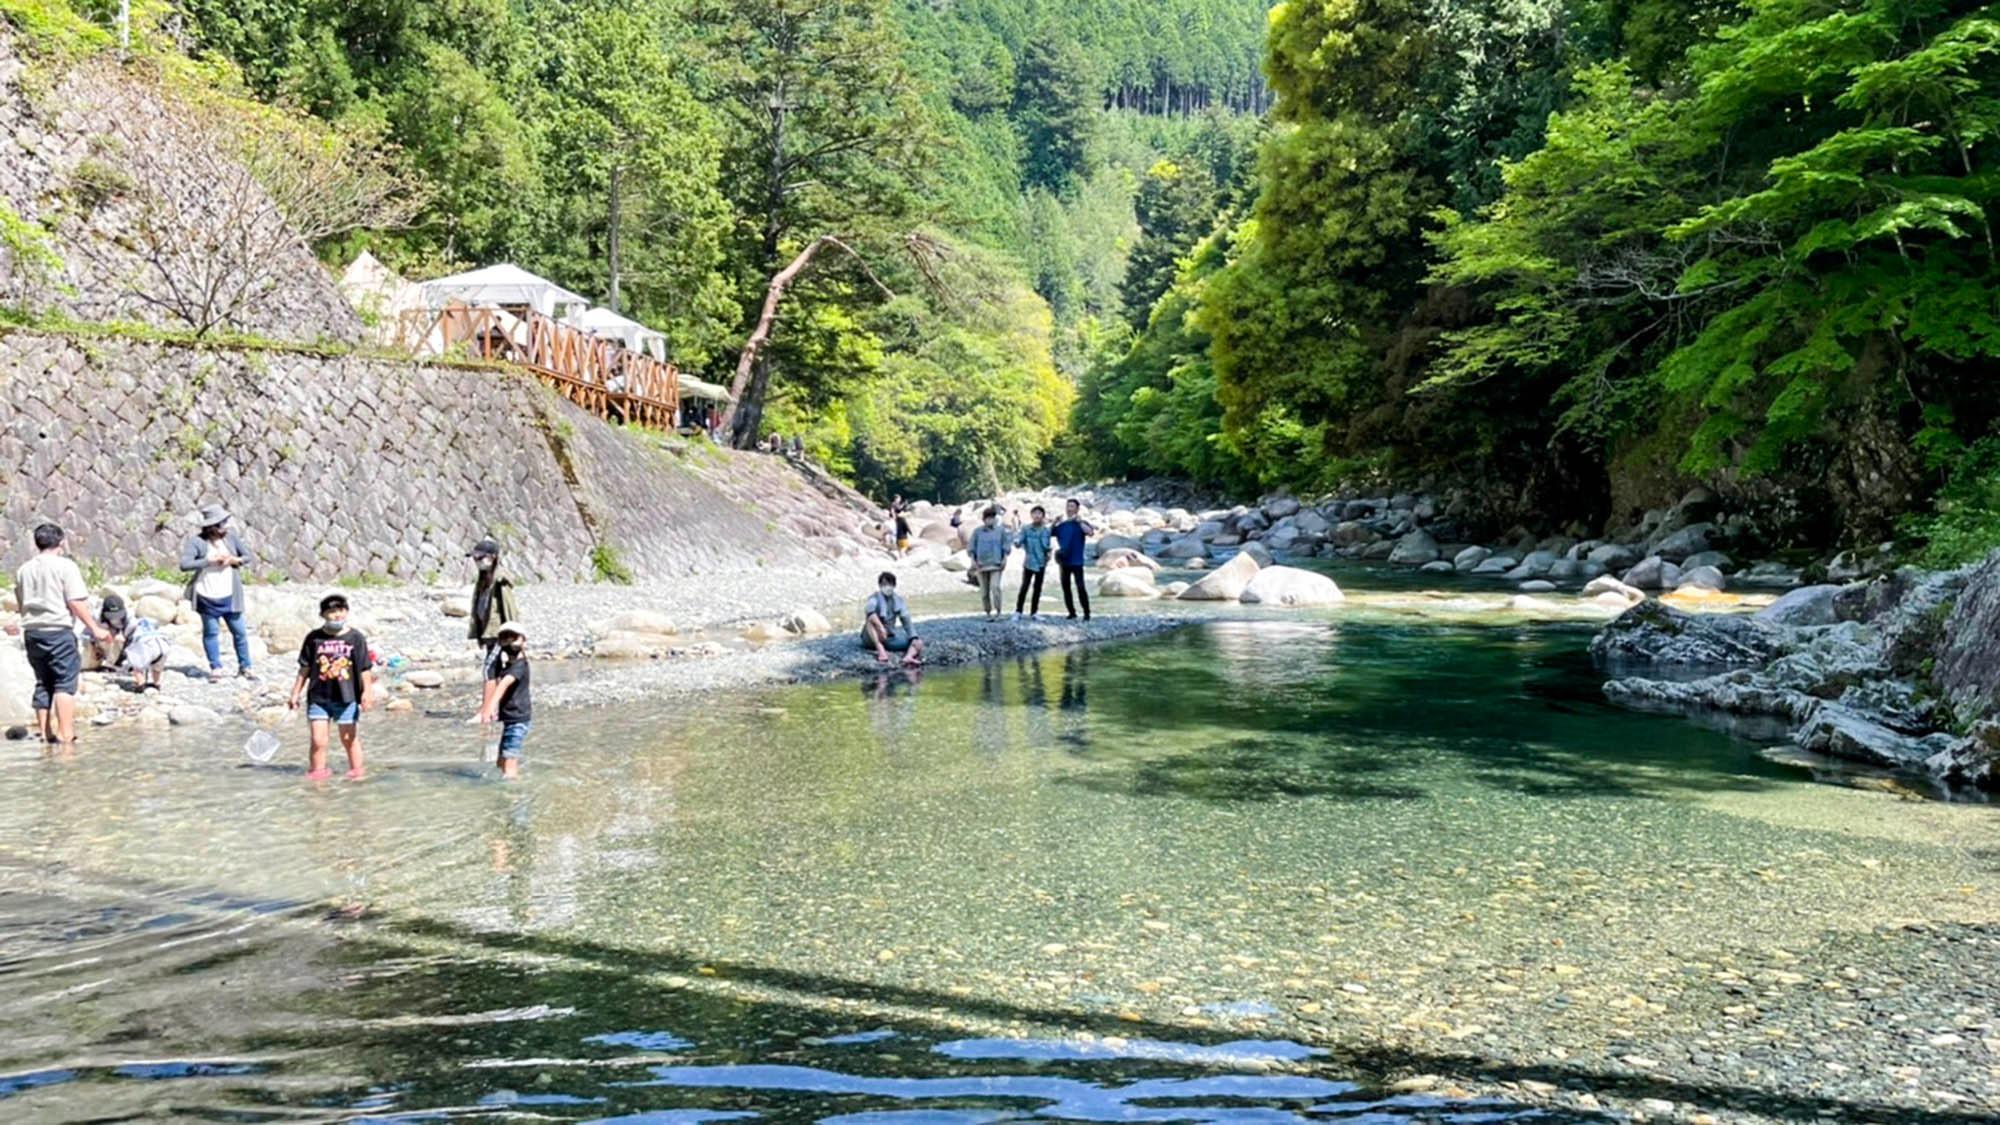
(886, 625)
(50, 591)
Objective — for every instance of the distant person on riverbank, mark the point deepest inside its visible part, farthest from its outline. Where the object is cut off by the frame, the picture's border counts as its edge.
(213, 559)
(1034, 542)
(492, 601)
(886, 625)
(508, 701)
(1069, 536)
(337, 680)
(51, 593)
(988, 549)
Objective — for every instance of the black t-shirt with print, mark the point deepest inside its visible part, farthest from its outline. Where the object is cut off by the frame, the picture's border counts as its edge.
(514, 705)
(333, 664)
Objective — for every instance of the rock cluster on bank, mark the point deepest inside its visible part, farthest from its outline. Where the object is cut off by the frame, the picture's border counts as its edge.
(1901, 671)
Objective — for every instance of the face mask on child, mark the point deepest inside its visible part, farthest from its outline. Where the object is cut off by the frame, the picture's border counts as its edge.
(514, 647)
(334, 624)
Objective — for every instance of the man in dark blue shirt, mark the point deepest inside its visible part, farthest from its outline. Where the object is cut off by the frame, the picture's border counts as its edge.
(1069, 536)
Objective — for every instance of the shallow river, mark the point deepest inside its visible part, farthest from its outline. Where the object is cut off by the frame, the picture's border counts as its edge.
(1247, 871)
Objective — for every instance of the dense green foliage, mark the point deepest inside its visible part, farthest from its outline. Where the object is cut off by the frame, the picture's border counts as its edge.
(670, 156)
(1600, 250)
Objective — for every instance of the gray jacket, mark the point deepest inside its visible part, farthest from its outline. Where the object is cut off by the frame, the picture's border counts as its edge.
(194, 558)
(988, 547)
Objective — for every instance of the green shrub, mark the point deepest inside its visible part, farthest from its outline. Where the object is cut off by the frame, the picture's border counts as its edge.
(608, 566)
(1964, 522)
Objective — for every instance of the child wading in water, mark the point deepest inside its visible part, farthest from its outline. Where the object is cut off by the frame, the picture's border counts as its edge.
(337, 680)
(509, 702)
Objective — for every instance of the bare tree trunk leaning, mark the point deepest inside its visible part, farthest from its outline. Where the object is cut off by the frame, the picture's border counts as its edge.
(752, 380)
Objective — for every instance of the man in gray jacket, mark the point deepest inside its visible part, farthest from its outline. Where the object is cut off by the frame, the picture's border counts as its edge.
(213, 559)
(988, 548)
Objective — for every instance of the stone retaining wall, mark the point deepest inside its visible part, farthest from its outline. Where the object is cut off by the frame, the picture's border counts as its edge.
(342, 466)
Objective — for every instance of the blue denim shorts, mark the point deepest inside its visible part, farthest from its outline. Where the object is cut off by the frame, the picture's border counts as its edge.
(512, 736)
(347, 716)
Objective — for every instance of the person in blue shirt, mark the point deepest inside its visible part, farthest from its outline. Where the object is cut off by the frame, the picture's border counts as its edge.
(1034, 543)
(1069, 536)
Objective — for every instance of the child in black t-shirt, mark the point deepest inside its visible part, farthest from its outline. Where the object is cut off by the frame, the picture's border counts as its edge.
(510, 704)
(337, 679)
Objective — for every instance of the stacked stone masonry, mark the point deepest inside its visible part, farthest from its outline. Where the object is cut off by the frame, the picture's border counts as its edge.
(343, 466)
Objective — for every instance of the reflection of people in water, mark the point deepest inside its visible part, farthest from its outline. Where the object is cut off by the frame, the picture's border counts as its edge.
(990, 721)
(1072, 704)
(892, 704)
(1036, 701)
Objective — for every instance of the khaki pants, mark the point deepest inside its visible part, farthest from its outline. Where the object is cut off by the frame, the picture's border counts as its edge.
(990, 595)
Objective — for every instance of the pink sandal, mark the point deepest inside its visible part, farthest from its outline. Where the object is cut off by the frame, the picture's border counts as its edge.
(320, 774)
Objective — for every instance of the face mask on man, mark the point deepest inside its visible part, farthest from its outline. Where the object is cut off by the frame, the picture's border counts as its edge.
(887, 592)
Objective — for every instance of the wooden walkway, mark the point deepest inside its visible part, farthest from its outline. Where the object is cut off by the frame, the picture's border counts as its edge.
(602, 376)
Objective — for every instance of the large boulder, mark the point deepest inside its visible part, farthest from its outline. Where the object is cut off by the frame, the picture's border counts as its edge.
(1186, 547)
(1690, 540)
(17, 684)
(1807, 605)
(1279, 507)
(1496, 564)
(1225, 583)
(938, 531)
(1702, 578)
(1606, 585)
(1290, 586)
(639, 621)
(631, 646)
(1354, 533)
(1535, 565)
(1613, 556)
(1121, 557)
(1127, 582)
(1311, 524)
(1716, 559)
(1842, 732)
(805, 622)
(1469, 558)
(1414, 549)
(1109, 543)
(1259, 552)
(1654, 573)
(1208, 529)
(1655, 633)
(1972, 760)
(1967, 667)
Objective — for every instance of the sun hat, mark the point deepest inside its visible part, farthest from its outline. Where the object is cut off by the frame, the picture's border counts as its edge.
(213, 515)
(511, 627)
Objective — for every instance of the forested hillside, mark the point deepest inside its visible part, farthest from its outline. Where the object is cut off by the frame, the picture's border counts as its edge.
(1578, 256)
(965, 177)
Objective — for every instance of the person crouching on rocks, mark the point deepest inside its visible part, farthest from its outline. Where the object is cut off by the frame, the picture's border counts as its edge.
(337, 680)
(493, 609)
(213, 558)
(143, 648)
(886, 625)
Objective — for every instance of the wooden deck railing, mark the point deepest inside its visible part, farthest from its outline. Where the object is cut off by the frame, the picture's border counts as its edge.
(602, 376)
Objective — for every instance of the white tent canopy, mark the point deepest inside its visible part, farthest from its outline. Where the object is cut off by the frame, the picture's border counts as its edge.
(504, 284)
(380, 295)
(610, 326)
(692, 387)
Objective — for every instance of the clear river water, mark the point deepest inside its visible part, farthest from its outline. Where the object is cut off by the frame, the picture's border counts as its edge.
(1252, 870)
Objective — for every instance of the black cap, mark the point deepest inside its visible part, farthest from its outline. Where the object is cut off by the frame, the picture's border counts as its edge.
(485, 548)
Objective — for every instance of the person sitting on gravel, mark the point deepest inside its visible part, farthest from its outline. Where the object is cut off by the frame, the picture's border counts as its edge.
(213, 559)
(886, 625)
(989, 547)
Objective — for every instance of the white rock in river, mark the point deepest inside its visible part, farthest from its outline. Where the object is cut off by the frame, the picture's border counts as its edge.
(1537, 586)
(1438, 567)
(1291, 586)
(629, 646)
(1127, 582)
(1259, 552)
(762, 632)
(1496, 564)
(424, 678)
(189, 715)
(1186, 547)
(806, 621)
(457, 607)
(1226, 583)
(958, 562)
(17, 684)
(1654, 573)
(1173, 589)
(1120, 557)
(639, 621)
(1605, 584)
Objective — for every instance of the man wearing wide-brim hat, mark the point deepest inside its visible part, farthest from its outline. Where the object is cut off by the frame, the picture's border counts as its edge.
(213, 558)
